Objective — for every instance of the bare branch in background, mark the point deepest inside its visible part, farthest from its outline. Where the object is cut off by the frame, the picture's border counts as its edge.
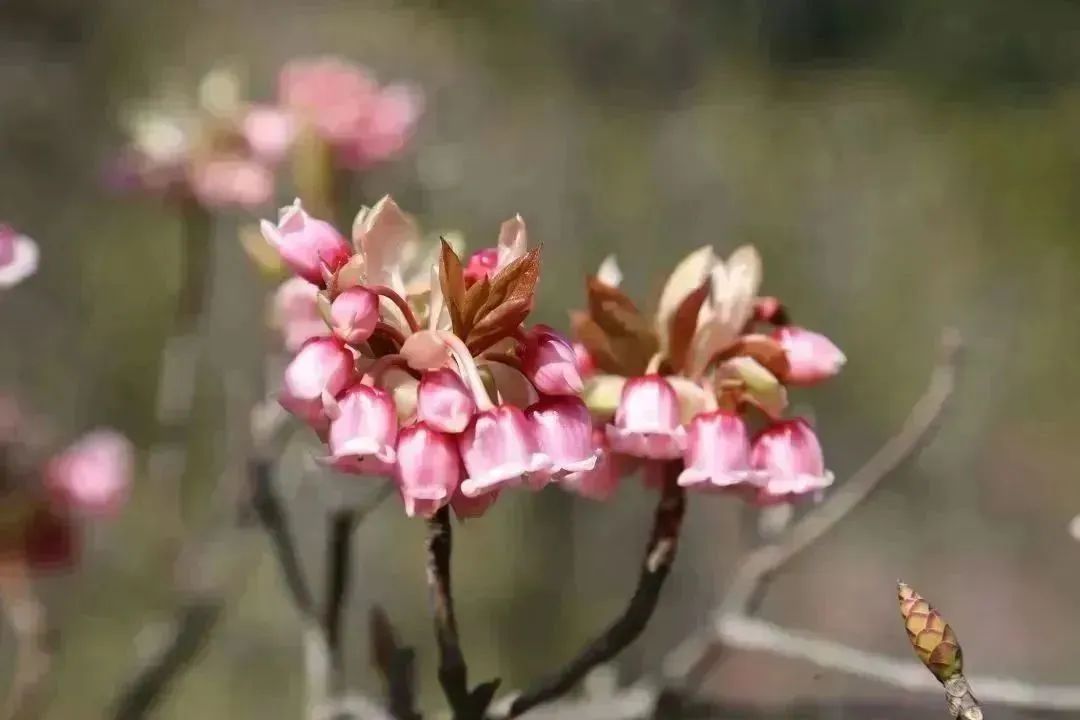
(659, 555)
(689, 663)
(395, 663)
(453, 673)
(338, 564)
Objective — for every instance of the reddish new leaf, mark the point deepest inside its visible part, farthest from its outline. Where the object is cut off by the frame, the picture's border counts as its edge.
(596, 341)
(515, 281)
(498, 324)
(452, 279)
(682, 326)
(765, 350)
(475, 298)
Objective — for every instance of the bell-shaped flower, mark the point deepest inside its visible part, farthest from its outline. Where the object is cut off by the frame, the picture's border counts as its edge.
(363, 431)
(322, 367)
(295, 313)
(93, 476)
(549, 361)
(648, 420)
(563, 428)
(812, 357)
(499, 449)
(584, 361)
(788, 462)
(428, 469)
(307, 245)
(18, 257)
(717, 452)
(466, 507)
(444, 401)
(353, 315)
(602, 481)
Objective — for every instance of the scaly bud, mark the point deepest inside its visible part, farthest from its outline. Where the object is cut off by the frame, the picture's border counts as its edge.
(933, 640)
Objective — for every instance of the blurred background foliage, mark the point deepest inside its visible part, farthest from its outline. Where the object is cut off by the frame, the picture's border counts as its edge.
(902, 166)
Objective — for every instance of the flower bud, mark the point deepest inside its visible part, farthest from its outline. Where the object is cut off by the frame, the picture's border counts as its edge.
(717, 452)
(363, 430)
(933, 640)
(562, 427)
(353, 315)
(788, 462)
(499, 450)
(549, 361)
(322, 366)
(444, 402)
(647, 421)
(307, 245)
(428, 469)
(811, 356)
(482, 264)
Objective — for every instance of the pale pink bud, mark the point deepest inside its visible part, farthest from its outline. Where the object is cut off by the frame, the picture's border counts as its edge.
(363, 430)
(231, 181)
(811, 356)
(92, 476)
(717, 451)
(353, 315)
(788, 459)
(444, 402)
(466, 507)
(563, 429)
(322, 367)
(647, 421)
(269, 132)
(482, 264)
(18, 257)
(499, 450)
(428, 469)
(583, 360)
(307, 245)
(549, 361)
(296, 313)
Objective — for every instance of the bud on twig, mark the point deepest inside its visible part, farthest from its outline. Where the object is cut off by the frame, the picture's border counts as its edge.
(936, 645)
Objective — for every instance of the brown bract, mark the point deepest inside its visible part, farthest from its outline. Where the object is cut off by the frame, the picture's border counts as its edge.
(620, 339)
(492, 309)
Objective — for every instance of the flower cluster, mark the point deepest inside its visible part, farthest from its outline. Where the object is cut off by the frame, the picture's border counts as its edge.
(45, 496)
(222, 150)
(18, 257)
(687, 383)
(424, 370)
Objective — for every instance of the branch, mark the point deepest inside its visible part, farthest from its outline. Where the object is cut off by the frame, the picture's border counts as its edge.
(453, 673)
(689, 663)
(745, 633)
(395, 663)
(659, 555)
(339, 561)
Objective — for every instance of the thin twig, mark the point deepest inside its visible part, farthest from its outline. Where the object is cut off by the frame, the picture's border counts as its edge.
(687, 666)
(395, 663)
(338, 564)
(453, 673)
(659, 555)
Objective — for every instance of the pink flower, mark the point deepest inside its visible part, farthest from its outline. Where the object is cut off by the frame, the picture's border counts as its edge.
(717, 451)
(444, 402)
(466, 507)
(322, 367)
(353, 315)
(307, 245)
(647, 421)
(296, 313)
(812, 356)
(583, 360)
(562, 427)
(549, 362)
(363, 430)
(499, 449)
(602, 481)
(428, 469)
(789, 461)
(482, 264)
(331, 94)
(387, 127)
(269, 132)
(92, 476)
(232, 181)
(18, 257)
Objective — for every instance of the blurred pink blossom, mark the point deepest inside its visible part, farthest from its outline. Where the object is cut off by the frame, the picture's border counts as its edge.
(18, 257)
(295, 313)
(93, 476)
